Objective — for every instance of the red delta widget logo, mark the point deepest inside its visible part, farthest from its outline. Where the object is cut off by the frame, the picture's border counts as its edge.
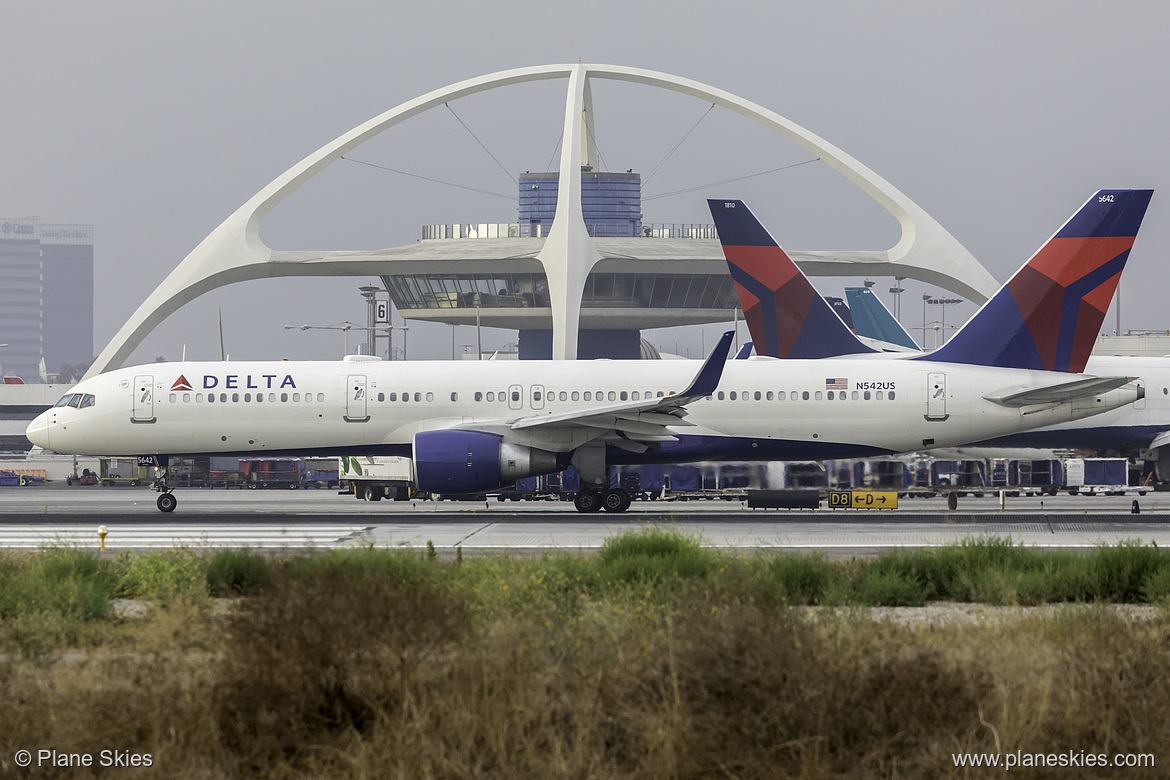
(239, 382)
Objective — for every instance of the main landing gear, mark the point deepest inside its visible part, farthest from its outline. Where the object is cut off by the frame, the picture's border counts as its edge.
(615, 500)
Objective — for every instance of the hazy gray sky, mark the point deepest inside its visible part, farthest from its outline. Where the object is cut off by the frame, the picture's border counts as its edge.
(154, 121)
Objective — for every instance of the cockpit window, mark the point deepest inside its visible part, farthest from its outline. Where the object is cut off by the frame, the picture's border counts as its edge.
(87, 400)
(65, 399)
(75, 401)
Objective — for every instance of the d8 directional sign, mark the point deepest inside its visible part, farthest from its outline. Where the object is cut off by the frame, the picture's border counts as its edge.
(863, 499)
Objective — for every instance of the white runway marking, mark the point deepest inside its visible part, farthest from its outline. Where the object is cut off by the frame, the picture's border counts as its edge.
(164, 536)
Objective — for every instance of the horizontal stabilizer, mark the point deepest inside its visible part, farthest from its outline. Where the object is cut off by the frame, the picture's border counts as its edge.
(1060, 392)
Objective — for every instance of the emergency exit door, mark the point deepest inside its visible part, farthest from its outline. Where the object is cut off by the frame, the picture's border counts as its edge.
(936, 396)
(142, 406)
(356, 408)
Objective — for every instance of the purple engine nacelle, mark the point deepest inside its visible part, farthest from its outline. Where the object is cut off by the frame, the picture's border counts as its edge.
(474, 461)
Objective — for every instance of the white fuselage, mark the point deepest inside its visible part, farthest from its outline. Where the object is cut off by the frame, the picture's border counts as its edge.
(764, 409)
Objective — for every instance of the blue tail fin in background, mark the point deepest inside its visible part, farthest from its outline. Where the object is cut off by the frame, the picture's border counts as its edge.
(873, 320)
(785, 315)
(1049, 314)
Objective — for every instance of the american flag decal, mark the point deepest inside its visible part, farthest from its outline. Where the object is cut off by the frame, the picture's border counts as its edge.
(837, 384)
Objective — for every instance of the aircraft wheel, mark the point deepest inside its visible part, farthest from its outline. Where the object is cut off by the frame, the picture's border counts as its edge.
(372, 493)
(587, 501)
(617, 500)
(952, 501)
(167, 502)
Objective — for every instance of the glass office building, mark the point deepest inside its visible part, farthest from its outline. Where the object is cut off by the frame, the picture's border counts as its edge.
(46, 296)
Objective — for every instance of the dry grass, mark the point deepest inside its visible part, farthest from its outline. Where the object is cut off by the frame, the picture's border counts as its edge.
(374, 667)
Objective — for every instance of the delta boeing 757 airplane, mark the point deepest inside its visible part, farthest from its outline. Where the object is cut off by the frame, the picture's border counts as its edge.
(772, 291)
(473, 428)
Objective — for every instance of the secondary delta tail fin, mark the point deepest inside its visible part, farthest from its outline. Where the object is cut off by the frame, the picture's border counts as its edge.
(1049, 314)
(787, 318)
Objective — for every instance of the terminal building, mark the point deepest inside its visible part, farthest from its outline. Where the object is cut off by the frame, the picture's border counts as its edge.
(650, 275)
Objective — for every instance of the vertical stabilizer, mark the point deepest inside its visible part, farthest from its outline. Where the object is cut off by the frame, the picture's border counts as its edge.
(786, 316)
(873, 320)
(1049, 314)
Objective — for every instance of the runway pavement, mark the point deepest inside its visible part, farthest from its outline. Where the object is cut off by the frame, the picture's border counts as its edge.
(55, 514)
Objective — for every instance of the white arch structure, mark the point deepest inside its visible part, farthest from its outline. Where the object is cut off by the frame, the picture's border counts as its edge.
(233, 252)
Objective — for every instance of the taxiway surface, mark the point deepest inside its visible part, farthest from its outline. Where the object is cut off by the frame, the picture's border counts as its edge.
(55, 514)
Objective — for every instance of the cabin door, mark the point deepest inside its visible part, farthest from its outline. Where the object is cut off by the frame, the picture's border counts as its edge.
(142, 407)
(355, 399)
(936, 396)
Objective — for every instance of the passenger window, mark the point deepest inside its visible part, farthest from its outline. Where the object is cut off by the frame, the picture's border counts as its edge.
(211, 398)
(478, 396)
(564, 396)
(831, 396)
(878, 396)
(320, 398)
(418, 397)
(758, 396)
(272, 398)
(855, 395)
(491, 396)
(781, 396)
(612, 395)
(867, 395)
(804, 395)
(818, 395)
(199, 398)
(381, 397)
(661, 394)
(588, 396)
(284, 397)
(186, 398)
(454, 396)
(891, 395)
(259, 398)
(430, 397)
(769, 395)
(731, 395)
(235, 398)
(719, 395)
(575, 396)
(745, 396)
(635, 395)
(624, 396)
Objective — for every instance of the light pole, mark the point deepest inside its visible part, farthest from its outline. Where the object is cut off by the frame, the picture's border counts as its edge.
(346, 326)
(897, 291)
(944, 302)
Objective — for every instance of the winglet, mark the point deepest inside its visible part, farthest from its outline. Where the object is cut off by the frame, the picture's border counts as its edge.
(745, 351)
(1048, 315)
(711, 371)
(786, 316)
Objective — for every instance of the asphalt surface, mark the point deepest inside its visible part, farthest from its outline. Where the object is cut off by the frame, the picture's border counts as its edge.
(56, 514)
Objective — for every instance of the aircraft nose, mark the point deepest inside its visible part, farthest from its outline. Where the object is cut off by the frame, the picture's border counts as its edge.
(38, 430)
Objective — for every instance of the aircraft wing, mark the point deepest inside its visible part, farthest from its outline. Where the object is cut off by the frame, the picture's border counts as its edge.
(634, 425)
(1059, 392)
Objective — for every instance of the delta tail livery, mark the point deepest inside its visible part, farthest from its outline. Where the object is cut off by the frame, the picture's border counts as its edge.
(1056, 304)
(471, 428)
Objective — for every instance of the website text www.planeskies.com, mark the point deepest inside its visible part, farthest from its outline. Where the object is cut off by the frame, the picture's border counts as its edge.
(1066, 759)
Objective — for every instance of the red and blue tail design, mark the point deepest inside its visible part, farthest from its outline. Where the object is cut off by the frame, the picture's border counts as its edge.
(785, 315)
(1049, 314)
